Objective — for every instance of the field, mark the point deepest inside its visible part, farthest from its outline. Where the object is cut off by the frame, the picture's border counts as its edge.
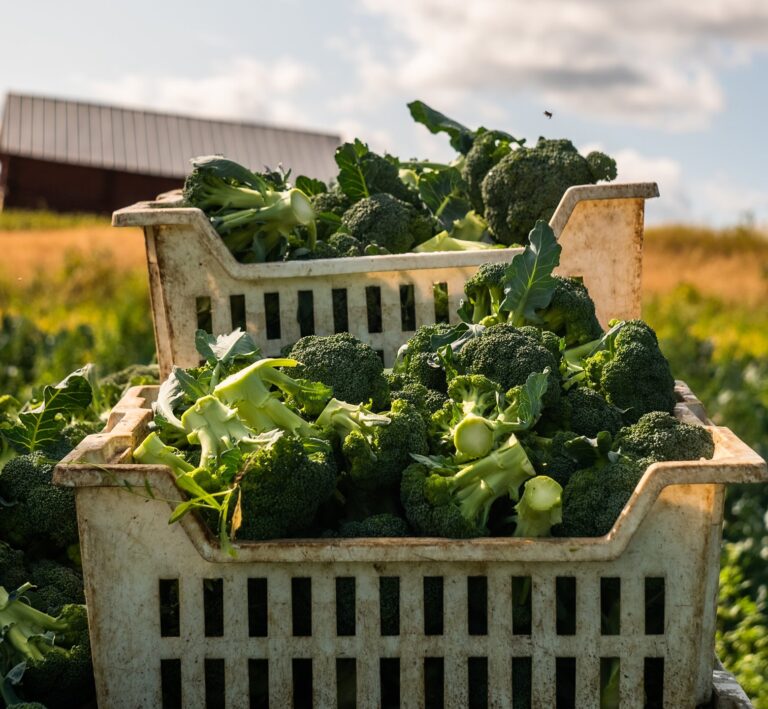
(76, 291)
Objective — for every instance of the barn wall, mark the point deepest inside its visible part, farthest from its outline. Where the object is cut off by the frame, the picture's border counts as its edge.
(39, 184)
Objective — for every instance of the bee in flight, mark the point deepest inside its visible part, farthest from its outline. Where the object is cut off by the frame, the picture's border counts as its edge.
(548, 114)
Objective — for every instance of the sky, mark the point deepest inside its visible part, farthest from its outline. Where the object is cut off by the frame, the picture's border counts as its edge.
(675, 90)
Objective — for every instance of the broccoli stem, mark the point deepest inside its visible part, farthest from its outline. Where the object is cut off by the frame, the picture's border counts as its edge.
(214, 426)
(153, 451)
(287, 208)
(473, 437)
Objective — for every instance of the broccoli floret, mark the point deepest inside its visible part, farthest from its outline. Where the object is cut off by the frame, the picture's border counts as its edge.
(659, 436)
(484, 293)
(417, 357)
(386, 221)
(351, 368)
(508, 355)
(13, 573)
(332, 202)
(587, 413)
(382, 175)
(56, 650)
(451, 499)
(571, 313)
(402, 386)
(383, 525)
(281, 487)
(539, 508)
(633, 374)
(528, 183)
(594, 497)
(56, 586)
(40, 513)
(487, 149)
(553, 457)
(345, 244)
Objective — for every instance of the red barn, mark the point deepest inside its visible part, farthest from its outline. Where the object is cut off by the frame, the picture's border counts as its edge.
(73, 156)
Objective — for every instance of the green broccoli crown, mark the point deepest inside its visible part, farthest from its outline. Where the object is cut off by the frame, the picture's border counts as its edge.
(13, 573)
(417, 358)
(403, 386)
(334, 201)
(527, 185)
(40, 512)
(57, 586)
(382, 525)
(594, 497)
(507, 355)
(475, 393)
(487, 149)
(352, 368)
(382, 175)
(659, 436)
(602, 166)
(345, 244)
(485, 290)
(588, 413)
(571, 313)
(455, 499)
(281, 487)
(384, 220)
(633, 374)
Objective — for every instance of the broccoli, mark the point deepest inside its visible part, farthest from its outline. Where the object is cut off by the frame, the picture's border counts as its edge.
(528, 183)
(508, 355)
(417, 357)
(8, 694)
(586, 412)
(40, 513)
(351, 368)
(486, 151)
(402, 386)
(571, 313)
(56, 650)
(659, 436)
(631, 372)
(56, 586)
(388, 222)
(381, 525)
(484, 292)
(445, 498)
(594, 497)
(334, 202)
(554, 457)
(152, 451)
(539, 508)
(281, 486)
(13, 573)
(376, 448)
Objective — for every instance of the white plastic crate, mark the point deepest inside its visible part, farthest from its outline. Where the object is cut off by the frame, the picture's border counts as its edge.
(665, 546)
(195, 281)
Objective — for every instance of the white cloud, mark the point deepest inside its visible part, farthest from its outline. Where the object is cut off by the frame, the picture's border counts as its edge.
(246, 89)
(652, 63)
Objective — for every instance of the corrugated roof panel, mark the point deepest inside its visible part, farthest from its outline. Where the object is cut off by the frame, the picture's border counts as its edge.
(152, 143)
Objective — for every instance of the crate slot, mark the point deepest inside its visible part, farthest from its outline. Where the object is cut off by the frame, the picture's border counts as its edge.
(305, 315)
(215, 683)
(301, 606)
(237, 311)
(477, 682)
(434, 604)
(204, 313)
(345, 605)
(272, 315)
(565, 682)
(521, 683)
(340, 310)
(389, 681)
(170, 618)
(346, 683)
(610, 606)
(373, 308)
(170, 684)
(258, 683)
(302, 682)
(654, 605)
(521, 605)
(565, 605)
(434, 683)
(258, 610)
(477, 605)
(407, 308)
(213, 607)
(610, 680)
(653, 682)
(389, 605)
(442, 306)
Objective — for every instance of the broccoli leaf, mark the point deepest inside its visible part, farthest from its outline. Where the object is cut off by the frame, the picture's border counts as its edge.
(352, 178)
(445, 193)
(224, 348)
(528, 402)
(528, 283)
(230, 171)
(42, 424)
(436, 122)
(309, 186)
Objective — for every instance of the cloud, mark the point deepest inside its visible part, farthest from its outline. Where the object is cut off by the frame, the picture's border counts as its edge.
(653, 63)
(246, 89)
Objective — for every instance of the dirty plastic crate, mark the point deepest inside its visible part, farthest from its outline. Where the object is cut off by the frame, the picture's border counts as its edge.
(195, 281)
(155, 595)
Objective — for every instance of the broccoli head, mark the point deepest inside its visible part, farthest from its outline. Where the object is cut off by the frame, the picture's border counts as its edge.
(487, 149)
(345, 245)
(41, 513)
(660, 436)
(334, 202)
(56, 586)
(528, 183)
(402, 386)
(571, 313)
(484, 293)
(281, 487)
(381, 525)
(587, 413)
(352, 368)
(13, 572)
(417, 357)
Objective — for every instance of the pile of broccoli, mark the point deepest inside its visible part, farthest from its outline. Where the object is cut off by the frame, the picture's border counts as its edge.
(489, 196)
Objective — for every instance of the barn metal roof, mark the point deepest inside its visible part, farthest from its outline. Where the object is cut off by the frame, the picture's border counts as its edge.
(152, 143)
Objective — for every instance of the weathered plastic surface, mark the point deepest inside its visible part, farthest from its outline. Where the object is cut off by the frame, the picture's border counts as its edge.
(192, 273)
(670, 530)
